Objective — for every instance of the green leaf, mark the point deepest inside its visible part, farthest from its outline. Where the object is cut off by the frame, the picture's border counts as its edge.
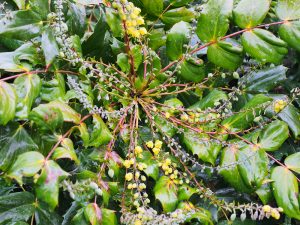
(290, 33)
(14, 140)
(114, 22)
(244, 118)
(153, 7)
(84, 134)
(286, 190)
(273, 136)
(210, 99)
(152, 169)
(20, 60)
(69, 114)
(291, 115)
(176, 38)
(47, 118)
(93, 214)
(66, 151)
(123, 62)
(264, 193)
(176, 15)
(157, 39)
(230, 170)
(108, 217)
(77, 19)
(288, 10)
(18, 223)
(293, 162)
(225, 54)
(264, 80)
(47, 188)
(8, 102)
(214, 20)
(166, 192)
(250, 13)
(44, 215)
(253, 166)
(20, 3)
(16, 207)
(165, 127)
(101, 134)
(49, 46)
(185, 192)
(178, 3)
(53, 89)
(192, 70)
(26, 165)
(41, 7)
(28, 89)
(202, 146)
(264, 46)
(26, 24)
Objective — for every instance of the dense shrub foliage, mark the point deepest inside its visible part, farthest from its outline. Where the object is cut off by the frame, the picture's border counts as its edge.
(149, 112)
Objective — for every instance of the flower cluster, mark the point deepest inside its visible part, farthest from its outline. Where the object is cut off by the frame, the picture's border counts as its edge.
(155, 147)
(279, 105)
(131, 17)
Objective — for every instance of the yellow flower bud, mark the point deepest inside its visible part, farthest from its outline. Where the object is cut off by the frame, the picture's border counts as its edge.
(129, 176)
(167, 115)
(137, 222)
(138, 150)
(158, 144)
(266, 208)
(127, 164)
(149, 144)
(143, 31)
(156, 151)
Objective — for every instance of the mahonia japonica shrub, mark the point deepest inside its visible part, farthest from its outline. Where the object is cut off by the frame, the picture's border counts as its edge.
(149, 112)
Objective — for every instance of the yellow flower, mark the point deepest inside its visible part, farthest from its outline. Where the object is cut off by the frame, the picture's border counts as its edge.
(266, 208)
(158, 144)
(136, 10)
(137, 222)
(184, 117)
(168, 161)
(129, 176)
(140, 21)
(156, 151)
(150, 144)
(143, 31)
(275, 214)
(279, 105)
(127, 164)
(138, 150)
(167, 115)
(129, 186)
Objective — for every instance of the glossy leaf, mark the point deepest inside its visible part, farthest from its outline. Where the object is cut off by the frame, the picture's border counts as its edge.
(185, 192)
(165, 191)
(225, 54)
(290, 33)
(28, 89)
(47, 188)
(178, 3)
(14, 140)
(250, 13)
(192, 70)
(49, 46)
(108, 217)
(53, 89)
(152, 169)
(274, 135)
(114, 22)
(253, 166)
(264, 80)
(153, 7)
(293, 162)
(286, 190)
(44, 215)
(20, 60)
(25, 25)
(157, 39)
(202, 146)
(18, 206)
(291, 115)
(288, 10)
(230, 171)
(214, 20)
(77, 19)
(101, 134)
(66, 151)
(8, 102)
(264, 46)
(210, 99)
(26, 165)
(244, 118)
(174, 16)
(176, 38)
(93, 214)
